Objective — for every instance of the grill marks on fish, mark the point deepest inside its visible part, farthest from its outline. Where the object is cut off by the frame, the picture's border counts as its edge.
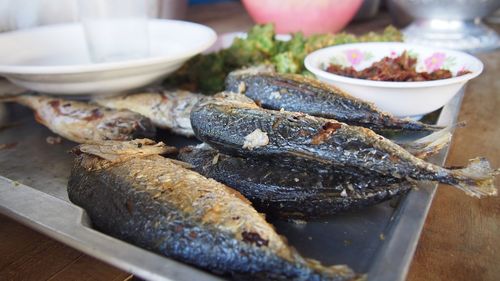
(301, 94)
(286, 189)
(83, 122)
(224, 122)
(166, 109)
(152, 202)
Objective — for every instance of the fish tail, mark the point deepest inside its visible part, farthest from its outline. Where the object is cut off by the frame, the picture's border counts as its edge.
(25, 99)
(8, 98)
(431, 144)
(477, 179)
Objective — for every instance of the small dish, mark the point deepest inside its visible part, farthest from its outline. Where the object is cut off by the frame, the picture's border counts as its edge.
(402, 99)
(54, 59)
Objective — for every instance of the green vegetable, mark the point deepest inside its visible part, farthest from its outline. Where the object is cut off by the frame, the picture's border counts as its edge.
(206, 73)
(259, 46)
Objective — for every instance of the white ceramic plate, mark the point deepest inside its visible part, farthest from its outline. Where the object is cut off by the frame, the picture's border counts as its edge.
(54, 59)
(412, 99)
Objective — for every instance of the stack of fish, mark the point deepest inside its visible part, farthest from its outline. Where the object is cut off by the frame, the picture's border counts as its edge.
(287, 163)
(306, 155)
(294, 147)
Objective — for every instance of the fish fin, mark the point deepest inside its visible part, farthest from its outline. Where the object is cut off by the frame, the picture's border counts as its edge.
(235, 98)
(26, 98)
(10, 90)
(181, 163)
(204, 146)
(412, 125)
(119, 151)
(430, 144)
(477, 179)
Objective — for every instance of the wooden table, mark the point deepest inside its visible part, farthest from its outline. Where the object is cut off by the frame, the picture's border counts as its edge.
(460, 240)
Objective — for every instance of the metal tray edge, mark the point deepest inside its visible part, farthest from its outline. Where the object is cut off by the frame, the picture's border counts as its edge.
(405, 235)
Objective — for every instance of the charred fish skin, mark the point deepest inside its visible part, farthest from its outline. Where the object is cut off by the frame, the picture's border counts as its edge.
(302, 94)
(154, 203)
(166, 109)
(235, 125)
(284, 189)
(82, 122)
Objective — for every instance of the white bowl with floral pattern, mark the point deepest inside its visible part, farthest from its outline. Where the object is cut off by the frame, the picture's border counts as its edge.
(403, 99)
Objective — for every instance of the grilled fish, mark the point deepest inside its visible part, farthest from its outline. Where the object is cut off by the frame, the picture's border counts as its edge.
(166, 109)
(302, 94)
(235, 125)
(152, 202)
(171, 110)
(286, 190)
(82, 122)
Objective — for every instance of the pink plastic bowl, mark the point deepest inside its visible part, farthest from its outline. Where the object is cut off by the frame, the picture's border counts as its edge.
(308, 16)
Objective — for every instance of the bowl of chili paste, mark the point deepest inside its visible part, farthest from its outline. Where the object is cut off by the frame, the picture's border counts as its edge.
(404, 79)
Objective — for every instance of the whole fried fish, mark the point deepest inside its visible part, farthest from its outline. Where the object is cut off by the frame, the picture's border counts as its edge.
(166, 109)
(171, 110)
(152, 202)
(82, 122)
(235, 125)
(302, 94)
(287, 190)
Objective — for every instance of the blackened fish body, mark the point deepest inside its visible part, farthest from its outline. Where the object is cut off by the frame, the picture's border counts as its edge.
(286, 190)
(235, 125)
(134, 194)
(301, 94)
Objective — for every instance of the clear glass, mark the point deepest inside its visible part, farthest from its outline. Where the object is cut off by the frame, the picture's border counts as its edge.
(115, 30)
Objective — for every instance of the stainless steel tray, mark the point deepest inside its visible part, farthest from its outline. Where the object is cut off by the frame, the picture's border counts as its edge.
(379, 240)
